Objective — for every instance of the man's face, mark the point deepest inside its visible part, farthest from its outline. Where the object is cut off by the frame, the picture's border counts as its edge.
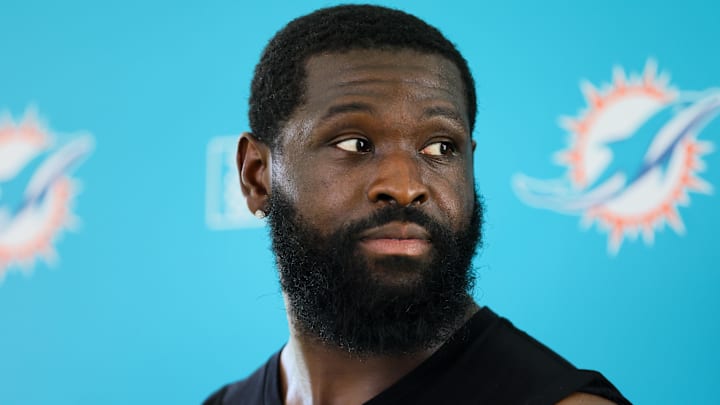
(378, 128)
(372, 208)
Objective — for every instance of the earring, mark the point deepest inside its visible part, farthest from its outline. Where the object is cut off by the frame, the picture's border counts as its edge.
(259, 214)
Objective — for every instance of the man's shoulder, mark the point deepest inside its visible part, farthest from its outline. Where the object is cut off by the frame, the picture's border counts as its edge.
(513, 366)
(249, 389)
(498, 347)
(254, 389)
(547, 373)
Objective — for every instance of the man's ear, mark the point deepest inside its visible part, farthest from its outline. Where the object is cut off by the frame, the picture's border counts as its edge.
(253, 162)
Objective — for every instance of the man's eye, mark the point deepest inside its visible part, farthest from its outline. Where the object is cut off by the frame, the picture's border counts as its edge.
(355, 145)
(438, 149)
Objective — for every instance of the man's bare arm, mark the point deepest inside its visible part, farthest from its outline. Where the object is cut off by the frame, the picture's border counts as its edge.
(580, 398)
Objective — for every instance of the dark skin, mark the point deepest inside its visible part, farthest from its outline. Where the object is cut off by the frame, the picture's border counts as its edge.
(376, 128)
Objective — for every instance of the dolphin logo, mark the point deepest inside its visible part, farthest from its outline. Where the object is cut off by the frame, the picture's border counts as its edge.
(633, 158)
(36, 190)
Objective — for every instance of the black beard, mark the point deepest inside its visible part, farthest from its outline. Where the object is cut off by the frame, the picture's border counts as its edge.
(336, 298)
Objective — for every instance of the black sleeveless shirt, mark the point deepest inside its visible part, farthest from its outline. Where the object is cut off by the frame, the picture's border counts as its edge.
(487, 361)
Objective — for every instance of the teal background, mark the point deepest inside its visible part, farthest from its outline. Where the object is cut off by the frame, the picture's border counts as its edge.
(147, 305)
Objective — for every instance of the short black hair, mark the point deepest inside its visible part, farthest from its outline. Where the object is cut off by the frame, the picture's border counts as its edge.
(278, 85)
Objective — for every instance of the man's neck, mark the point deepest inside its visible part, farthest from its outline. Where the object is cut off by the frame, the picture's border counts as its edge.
(314, 373)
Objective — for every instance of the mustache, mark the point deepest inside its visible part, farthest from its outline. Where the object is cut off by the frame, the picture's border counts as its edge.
(390, 214)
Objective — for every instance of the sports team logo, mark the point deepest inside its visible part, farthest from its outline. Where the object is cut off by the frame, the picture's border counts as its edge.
(225, 206)
(36, 190)
(632, 158)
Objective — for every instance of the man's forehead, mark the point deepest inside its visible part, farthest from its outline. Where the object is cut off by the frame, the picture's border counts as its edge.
(414, 75)
(356, 66)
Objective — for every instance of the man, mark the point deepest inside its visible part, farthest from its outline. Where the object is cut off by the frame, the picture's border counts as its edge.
(361, 157)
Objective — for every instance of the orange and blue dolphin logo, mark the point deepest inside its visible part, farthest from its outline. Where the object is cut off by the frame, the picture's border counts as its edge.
(633, 158)
(36, 190)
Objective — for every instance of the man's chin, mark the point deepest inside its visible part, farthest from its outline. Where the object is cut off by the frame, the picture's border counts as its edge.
(398, 270)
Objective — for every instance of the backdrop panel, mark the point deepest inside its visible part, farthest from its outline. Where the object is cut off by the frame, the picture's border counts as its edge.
(132, 274)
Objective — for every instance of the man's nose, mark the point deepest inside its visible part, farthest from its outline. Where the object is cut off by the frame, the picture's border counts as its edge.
(397, 180)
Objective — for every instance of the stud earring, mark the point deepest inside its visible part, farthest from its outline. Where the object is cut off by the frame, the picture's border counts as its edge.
(259, 214)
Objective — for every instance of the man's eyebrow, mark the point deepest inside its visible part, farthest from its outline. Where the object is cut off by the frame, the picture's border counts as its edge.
(445, 112)
(347, 108)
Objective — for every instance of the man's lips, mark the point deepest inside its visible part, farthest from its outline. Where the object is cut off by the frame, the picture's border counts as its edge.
(396, 238)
